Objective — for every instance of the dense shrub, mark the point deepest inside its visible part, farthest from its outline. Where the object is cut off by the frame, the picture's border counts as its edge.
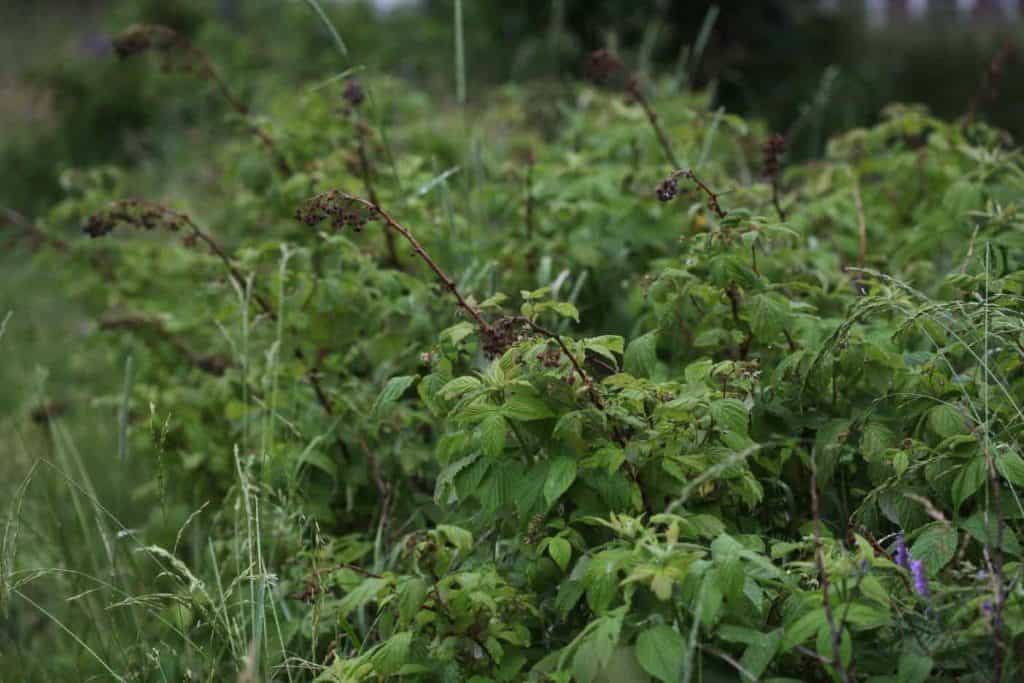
(584, 383)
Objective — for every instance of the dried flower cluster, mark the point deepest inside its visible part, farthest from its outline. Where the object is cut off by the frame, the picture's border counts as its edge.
(668, 189)
(133, 213)
(354, 93)
(503, 334)
(177, 53)
(602, 65)
(342, 209)
(771, 156)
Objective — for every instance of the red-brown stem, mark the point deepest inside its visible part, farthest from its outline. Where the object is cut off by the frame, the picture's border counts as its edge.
(446, 281)
(634, 89)
(712, 196)
(775, 197)
(367, 173)
(528, 218)
(12, 217)
(584, 377)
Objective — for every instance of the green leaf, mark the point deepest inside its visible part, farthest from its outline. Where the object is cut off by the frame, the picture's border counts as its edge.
(411, 594)
(392, 654)
(661, 652)
(969, 480)
(935, 546)
(1010, 465)
(492, 435)
(914, 667)
(561, 475)
(729, 414)
(803, 628)
(460, 386)
(945, 420)
(641, 355)
(361, 595)
(457, 332)
(525, 407)
(767, 316)
(392, 391)
(458, 537)
(560, 551)
(596, 648)
(760, 652)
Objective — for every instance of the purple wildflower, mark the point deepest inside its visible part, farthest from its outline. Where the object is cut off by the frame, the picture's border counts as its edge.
(920, 579)
(902, 552)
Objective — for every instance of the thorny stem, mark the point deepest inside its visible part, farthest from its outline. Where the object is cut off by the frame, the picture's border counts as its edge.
(367, 173)
(584, 377)
(528, 218)
(446, 281)
(211, 71)
(236, 275)
(12, 217)
(634, 89)
(712, 196)
(775, 198)
(819, 561)
(211, 364)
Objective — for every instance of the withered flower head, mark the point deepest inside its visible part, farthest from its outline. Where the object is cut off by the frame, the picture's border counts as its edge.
(342, 209)
(771, 153)
(133, 213)
(139, 38)
(354, 93)
(177, 54)
(502, 335)
(602, 65)
(667, 189)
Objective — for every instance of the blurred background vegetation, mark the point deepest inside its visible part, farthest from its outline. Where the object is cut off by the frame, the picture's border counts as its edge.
(808, 68)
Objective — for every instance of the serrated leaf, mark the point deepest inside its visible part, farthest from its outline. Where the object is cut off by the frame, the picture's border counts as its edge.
(493, 431)
(729, 414)
(561, 475)
(767, 316)
(661, 652)
(1010, 465)
(361, 595)
(392, 391)
(760, 652)
(597, 646)
(525, 407)
(641, 355)
(460, 386)
(411, 595)
(935, 546)
(391, 655)
(945, 420)
(457, 332)
(458, 537)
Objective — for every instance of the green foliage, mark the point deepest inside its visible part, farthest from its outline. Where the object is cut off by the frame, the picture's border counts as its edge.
(555, 429)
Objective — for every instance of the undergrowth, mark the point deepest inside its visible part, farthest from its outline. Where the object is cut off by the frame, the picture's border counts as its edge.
(575, 385)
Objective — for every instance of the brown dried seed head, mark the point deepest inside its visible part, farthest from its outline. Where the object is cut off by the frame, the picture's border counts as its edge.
(602, 65)
(142, 37)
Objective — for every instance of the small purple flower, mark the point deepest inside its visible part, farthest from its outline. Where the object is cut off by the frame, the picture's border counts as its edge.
(986, 607)
(920, 579)
(902, 552)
